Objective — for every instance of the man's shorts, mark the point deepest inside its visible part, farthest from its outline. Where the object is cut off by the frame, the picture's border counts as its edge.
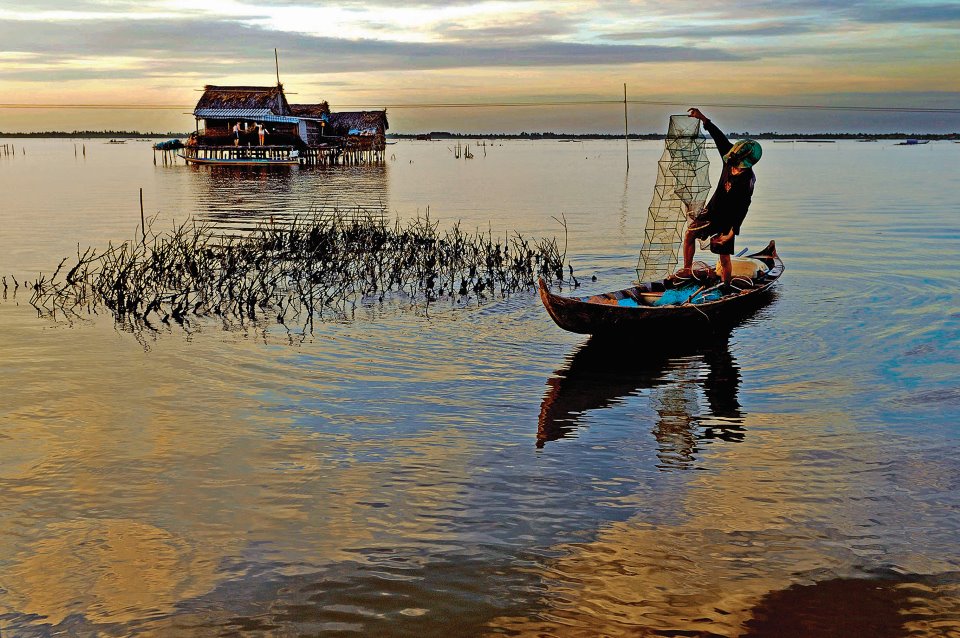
(703, 228)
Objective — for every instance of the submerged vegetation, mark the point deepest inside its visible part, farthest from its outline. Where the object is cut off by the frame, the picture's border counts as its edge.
(295, 272)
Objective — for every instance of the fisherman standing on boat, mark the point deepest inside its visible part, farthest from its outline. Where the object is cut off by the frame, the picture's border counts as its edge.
(721, 218)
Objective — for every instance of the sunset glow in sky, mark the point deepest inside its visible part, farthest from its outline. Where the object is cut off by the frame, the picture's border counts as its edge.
(159, 52)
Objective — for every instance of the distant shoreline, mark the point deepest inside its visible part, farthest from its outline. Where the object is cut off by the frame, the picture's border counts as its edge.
(94, 134)
(441, 135)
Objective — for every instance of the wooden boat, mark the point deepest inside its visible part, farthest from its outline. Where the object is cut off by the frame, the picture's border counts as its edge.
(631, 311)
(240, 155)
(238, 162)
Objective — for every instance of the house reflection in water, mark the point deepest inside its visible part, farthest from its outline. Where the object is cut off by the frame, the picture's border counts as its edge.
(247, 196)
(604, 373)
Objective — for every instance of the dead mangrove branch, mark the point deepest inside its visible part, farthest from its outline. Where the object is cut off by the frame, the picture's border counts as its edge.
(295, 272)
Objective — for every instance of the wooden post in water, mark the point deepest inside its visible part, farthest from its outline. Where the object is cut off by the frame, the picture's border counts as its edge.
(143, 223)
(626, 129)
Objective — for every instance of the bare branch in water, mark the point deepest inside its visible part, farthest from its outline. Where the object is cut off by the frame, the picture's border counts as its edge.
(315, 268)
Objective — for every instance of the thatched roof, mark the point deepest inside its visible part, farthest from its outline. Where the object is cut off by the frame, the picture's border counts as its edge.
(243, 98)
(310, 110)
(351, 122)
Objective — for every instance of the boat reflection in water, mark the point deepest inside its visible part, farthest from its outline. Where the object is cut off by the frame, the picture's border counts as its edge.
(693, 387)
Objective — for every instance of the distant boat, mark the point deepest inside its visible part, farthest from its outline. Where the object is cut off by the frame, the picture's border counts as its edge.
(912, 142)
(117, 142)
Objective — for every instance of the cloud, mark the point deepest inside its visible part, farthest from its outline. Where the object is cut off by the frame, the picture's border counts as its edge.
(869, 12)
(904, 13)
(526, 27)
(373, 5)
(822, 12)
(91, 6)
(722, 30)
(176, 46)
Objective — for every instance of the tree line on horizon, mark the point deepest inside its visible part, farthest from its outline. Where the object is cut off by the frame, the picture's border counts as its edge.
(549, 135)
(659, 136)
(94, 134)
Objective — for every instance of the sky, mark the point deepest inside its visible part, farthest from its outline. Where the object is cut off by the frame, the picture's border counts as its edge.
(157, 55)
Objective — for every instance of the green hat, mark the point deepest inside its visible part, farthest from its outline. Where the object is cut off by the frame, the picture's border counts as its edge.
(744, 154)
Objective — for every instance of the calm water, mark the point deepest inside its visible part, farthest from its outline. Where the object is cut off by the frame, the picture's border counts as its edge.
(479, 471)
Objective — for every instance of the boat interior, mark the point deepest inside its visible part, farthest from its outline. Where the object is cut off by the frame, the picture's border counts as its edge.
(702, 284)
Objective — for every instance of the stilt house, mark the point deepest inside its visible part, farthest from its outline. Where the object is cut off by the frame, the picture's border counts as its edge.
(257, 125)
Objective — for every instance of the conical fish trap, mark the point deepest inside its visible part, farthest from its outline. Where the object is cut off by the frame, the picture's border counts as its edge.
(683, 183)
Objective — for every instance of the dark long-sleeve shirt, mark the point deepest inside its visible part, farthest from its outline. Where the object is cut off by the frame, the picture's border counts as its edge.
(731, 199)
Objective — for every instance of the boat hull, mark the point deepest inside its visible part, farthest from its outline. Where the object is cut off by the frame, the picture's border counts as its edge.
(589, 317)
(238, 162)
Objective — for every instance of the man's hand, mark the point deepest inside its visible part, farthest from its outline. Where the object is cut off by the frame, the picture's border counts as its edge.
(697, 114)
(720, 240)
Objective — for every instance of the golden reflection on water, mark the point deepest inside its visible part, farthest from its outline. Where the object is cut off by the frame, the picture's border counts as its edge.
(131, 485)
(737, 541)
(750, 526)
(107, 570)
